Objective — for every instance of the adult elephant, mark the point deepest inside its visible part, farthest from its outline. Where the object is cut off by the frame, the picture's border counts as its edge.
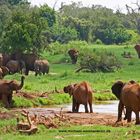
(73, 53)
(6, 90)
(15, 66)
(41, 66)
(130, 98)
(29, 60)
(81, 94)
(5, 58)
(137, 48)
(3, 71)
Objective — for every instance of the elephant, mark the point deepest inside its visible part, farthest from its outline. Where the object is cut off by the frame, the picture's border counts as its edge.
(73, 53)
(41, 66)
(29, 60)
(3, 71)
(15, 66)
(81, 94)
(5, 58)
(129, 95)
(6, 90)
(137, 48)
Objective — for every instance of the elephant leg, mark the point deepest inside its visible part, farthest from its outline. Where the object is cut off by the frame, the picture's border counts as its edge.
(5, 101)
(125, 113)
(120, 109)
(27, 72)
(86, 108)
(137, 118)
(128, 113)
(90, 106)
(77, 107)
(73, 105)
(10, 100)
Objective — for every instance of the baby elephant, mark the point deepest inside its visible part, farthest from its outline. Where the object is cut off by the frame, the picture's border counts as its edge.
(41, 66)
(81, 94)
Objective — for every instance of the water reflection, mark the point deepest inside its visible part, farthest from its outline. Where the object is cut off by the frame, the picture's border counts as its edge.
(103, 107)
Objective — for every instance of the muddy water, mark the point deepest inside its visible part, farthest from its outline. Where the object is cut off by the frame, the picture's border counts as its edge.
(102, 107)
(108, 107)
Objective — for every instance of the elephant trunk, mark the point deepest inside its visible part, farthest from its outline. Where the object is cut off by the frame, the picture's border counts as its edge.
(22, 83)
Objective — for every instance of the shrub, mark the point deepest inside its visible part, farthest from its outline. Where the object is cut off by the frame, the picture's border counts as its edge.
(103, 61)
(98, 41)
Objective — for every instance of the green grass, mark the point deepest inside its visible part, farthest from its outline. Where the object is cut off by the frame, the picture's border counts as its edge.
(94, 132)
(62, 74)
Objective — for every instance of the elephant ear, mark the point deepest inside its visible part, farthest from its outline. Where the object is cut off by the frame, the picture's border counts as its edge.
(69, 89)
(65, 89)
(117, 88)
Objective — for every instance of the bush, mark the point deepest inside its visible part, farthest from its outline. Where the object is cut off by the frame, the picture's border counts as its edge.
(98, 41)
(104, 62)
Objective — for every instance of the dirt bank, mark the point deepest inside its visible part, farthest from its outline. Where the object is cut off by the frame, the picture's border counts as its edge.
(74, 118)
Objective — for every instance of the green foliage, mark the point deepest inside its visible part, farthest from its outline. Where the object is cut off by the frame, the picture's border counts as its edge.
(104, 96)
(15, 2)
(24, 32)
(113, 36)
(63, 34)
(49, 14)
(98, 41)
(135, 37)
(99, 61)
(21, 102)
(82, 27)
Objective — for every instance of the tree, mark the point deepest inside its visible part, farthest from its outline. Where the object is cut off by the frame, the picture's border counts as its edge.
(49, 14)
(15, 2)
(24, 32)
(134, 15)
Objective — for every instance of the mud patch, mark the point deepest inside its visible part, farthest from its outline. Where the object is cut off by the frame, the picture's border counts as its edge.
(6, 115)
(80, 118)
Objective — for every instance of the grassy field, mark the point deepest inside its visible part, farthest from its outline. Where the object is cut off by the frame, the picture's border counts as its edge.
(94, 132)
(62, 74)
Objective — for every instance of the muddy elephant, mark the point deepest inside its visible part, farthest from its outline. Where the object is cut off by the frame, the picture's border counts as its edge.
(81, 94)
(129, 94)
(15, 66)
(3, 71)
(6, 90)
(41, 66)
(137, 48)
(73, 53)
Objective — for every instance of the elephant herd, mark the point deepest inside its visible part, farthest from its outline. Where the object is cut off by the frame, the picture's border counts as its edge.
(127, 93)
(23, 63)
(81, 93)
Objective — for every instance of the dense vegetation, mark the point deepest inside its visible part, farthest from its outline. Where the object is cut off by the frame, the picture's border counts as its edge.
(30, 29)
(102, 37)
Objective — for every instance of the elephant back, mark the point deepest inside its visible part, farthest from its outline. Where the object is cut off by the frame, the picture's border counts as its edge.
(5, 58)
(131, 96)
(29, 60)
(41, 66)
(13, 66)
(82, 93)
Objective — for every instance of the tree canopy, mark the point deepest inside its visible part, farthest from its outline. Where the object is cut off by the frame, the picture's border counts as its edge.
(30, 29)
